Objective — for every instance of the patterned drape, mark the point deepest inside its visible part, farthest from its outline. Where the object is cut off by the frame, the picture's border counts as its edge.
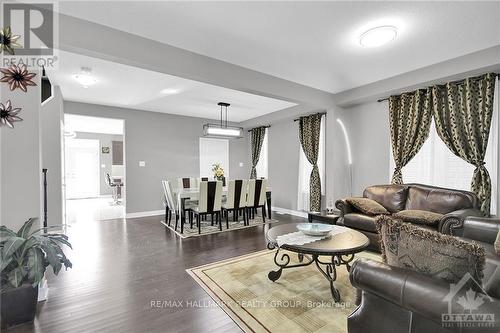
(257, 136)
(309, 132)
(462, 113)
(410, 120)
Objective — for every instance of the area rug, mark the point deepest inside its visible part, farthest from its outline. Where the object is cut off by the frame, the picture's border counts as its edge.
(207, 228)
(300, 301)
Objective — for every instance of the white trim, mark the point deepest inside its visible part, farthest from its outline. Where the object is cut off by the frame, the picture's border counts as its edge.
(144, 214)
(289, 212)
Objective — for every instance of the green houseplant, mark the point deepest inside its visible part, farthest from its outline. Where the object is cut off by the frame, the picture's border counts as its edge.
(24, 257)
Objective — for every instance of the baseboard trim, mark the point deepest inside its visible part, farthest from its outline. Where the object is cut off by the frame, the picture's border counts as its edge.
(289, 212)
(144, 214)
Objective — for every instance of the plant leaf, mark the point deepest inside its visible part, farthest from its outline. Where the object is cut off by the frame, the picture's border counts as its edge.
(36, 267)
(61, 239)
(5, 263)
(16, 276)
(11, 246)
(51, 252)
(6, 232)
(25, 229)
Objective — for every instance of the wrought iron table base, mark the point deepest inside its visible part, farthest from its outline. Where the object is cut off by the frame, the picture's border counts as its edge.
(329, 271)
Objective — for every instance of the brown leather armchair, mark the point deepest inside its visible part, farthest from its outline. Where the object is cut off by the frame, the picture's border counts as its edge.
(399, 300)
(454, 204)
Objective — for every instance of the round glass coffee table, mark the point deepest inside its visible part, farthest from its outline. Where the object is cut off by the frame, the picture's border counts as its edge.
(335, 250)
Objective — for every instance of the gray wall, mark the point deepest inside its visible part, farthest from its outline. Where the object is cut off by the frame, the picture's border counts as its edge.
(51, 121)
(284, 163)
(104, 159)
(239, 153)
(169, 144)
(370, 139)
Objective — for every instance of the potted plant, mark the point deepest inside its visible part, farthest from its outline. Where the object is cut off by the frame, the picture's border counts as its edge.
(24, 257)
(218, 171)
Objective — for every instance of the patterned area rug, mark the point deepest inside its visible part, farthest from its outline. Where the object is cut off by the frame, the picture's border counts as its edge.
(207, 228)
(300, 301)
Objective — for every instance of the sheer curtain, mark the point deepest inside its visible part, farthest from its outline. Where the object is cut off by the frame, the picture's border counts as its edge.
(305, 169)
(436, 165)
(262, 168)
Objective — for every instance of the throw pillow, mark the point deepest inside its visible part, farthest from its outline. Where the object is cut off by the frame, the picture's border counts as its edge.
(442, 256)
(497, 243)
(419, 216)
(367, 206)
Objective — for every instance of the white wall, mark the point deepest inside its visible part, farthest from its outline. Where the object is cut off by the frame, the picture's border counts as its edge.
(21, 167)
(51, 120)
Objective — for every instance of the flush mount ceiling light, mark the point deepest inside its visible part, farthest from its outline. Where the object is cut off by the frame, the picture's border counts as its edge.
(85, 77)
(222, 130)
(378, 36)
(170, 91)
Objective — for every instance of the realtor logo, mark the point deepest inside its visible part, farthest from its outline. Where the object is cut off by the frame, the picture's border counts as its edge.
(32, 25)
(464, 305)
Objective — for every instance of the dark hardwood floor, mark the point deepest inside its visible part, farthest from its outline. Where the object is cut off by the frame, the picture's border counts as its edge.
(121, 266)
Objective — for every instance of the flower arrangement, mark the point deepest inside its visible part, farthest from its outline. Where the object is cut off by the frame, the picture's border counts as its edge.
(218, 171)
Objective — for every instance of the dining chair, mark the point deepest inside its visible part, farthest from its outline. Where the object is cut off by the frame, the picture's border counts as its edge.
(236, 200)
(256, 198)
(170, 203)
(209, 202)
(187, 183)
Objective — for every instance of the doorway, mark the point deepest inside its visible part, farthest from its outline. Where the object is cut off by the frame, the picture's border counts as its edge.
(94, 168)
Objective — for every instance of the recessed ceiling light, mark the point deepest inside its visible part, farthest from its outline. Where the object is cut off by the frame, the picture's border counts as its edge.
(378, 36)
(170, 91)
(85, 78)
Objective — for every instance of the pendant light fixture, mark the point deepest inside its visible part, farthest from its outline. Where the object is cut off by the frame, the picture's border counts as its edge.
(222, 130)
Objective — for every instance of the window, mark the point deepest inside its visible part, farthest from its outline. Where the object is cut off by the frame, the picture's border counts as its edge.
(213, 151)
(305, 169)
(436, 165)
(262, 168)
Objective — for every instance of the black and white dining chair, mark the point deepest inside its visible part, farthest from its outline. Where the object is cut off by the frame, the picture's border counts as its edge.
(170, 203)
(236, 200)
(209, 202)
(187, 183)
(256, 198)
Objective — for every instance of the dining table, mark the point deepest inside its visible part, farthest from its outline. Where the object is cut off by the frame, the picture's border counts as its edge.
(184, 194)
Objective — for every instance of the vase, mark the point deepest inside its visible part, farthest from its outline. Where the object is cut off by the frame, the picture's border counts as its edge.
(19, 305)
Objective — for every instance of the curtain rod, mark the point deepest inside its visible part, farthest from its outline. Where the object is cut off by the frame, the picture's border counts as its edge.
(458, 81)
(321, 113)
(265, 126)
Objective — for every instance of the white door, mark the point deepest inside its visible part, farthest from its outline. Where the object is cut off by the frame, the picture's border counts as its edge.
(213, 151)
(82, 168)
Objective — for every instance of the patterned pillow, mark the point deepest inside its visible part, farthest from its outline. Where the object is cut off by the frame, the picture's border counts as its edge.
(497, 243)
(419, 216)
(367, 206)
(442, 256)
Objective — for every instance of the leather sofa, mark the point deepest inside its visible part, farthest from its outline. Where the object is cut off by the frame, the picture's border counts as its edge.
(399, 300)
(454, 204)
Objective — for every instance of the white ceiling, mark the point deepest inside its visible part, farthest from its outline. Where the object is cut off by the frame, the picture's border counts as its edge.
(78, 123)
(312, 43)
(132, 87)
